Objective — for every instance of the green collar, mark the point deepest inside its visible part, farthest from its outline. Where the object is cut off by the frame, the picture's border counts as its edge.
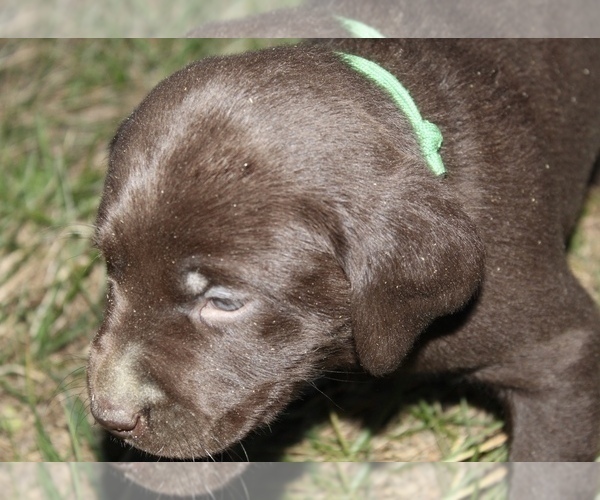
(428, 134)
(358, 29)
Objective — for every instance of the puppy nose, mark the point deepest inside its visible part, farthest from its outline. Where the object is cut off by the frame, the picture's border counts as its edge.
(122, 422)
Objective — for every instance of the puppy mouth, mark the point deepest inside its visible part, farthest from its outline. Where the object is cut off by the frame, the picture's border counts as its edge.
(172, 432)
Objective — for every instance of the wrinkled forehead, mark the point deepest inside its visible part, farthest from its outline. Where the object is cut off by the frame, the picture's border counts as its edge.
(213, 166)
(230, 219)
(228, 245)
(187, 161)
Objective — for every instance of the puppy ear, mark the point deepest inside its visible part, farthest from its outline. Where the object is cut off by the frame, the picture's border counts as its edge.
(415, 258)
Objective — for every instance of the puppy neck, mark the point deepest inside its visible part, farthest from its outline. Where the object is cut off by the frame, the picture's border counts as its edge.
(428, 134)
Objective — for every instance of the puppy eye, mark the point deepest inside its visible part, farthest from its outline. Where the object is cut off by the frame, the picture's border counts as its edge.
(223, 304)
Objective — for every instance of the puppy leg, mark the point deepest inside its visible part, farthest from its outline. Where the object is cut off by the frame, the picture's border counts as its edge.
(555, 423)
(551, 384)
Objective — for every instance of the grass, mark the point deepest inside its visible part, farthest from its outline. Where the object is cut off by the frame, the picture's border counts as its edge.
(118, 18)
(62, 101)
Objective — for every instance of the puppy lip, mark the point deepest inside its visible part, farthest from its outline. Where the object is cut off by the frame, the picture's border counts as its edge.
(121, 434)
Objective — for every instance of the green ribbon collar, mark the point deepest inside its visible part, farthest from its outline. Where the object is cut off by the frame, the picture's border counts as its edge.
(428, 134)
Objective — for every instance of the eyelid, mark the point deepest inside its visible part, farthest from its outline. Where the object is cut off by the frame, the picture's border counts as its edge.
(213, 312)
(219, 292)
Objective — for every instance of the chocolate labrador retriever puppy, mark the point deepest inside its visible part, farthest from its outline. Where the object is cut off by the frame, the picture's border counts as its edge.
(272, 215)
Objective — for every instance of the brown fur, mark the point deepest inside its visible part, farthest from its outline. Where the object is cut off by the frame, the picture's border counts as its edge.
(293, 182)
(417, 18)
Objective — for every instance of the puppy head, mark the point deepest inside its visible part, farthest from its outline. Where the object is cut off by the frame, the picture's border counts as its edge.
(261, 223)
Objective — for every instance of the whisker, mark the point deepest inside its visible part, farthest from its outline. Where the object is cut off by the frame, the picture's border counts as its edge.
(245, 452)
(314, 385)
